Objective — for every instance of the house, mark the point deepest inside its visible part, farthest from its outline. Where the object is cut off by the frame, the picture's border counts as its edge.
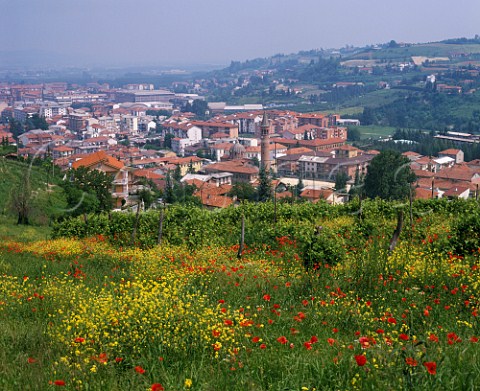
(315, 195)
(458, 192)
(122, 180)
(241, 170)
(210, 128)
(456, 154)
(62, 151)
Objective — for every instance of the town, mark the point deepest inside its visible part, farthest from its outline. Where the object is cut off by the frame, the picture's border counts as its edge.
(139, 133)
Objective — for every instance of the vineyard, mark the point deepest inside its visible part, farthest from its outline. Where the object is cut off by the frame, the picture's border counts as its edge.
(315, 301)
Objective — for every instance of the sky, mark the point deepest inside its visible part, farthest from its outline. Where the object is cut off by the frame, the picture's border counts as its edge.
(176, 32)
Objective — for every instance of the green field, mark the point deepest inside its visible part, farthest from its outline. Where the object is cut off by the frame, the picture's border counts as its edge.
(373, 131)
(317, 304)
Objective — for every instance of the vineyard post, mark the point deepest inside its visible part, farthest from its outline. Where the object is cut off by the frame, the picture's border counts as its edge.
(160, 225)
(242, 238)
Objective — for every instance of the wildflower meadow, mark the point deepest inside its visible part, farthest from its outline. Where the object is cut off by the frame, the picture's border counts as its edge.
(86, 313)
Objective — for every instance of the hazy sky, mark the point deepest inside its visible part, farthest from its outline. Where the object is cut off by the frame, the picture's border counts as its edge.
(120, 32)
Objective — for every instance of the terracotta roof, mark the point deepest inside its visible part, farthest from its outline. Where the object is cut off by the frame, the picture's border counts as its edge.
(233, 167)
(316, 194)
(425, 194)
(461, 172)
(215, 201)
(456, 191)
(451, 151)
(149, 174)
(63, 148)
(96, 158)
(299, 150)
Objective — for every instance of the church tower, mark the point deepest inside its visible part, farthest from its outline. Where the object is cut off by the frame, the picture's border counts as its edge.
(265, 143)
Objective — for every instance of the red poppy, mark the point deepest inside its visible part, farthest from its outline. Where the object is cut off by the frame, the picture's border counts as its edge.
(380, 331)
(139, 370)
(411, 361)
(263, 346)
(31, 360)
(313, 339)
(403, 337)
(392, 320)
(335, 330)
(361, 360)
(118, 359)
(59, 383)
(283, 340)
(157, 387)
(266, 297)
(474, 339)
(330, 341)
(452, 338)
(433, 338)
(228, 322)
(79, 340)
(431, 367)
(255, 339)
(308, 345)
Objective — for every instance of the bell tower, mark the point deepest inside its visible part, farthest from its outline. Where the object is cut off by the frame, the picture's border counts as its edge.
(265, 143)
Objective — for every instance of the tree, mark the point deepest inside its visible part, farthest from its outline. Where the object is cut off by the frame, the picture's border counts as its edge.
(243, 191)
(191, 169)
(88, 191)
(36, 122)
(22, 200)
(389, 176)
(299, 187)
(264, 190)
(167, 142)
(353, 134)
(341, 181)
(199, 107)
(177, 173)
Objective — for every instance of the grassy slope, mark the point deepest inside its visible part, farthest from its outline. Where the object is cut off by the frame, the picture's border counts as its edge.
(11, 173)
(427, 50)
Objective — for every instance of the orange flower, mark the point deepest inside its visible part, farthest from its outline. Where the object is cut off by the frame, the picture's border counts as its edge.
(431, 367)
(433, 338)
(410, 361)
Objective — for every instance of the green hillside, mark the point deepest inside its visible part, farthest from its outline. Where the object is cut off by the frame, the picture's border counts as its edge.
(46, 202)
(435, 49)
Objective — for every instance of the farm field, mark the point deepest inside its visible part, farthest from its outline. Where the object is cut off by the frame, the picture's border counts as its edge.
(374, 131)
(85, 314)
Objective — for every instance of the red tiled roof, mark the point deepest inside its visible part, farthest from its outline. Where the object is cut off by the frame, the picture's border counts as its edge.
(98, 157)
